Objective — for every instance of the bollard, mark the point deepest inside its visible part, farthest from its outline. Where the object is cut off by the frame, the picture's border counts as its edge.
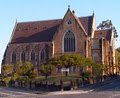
(46, 85)
(71, 85)
(33, 85)
(54, 88)
(103, 78)
(91, 80)
(78, 83)
(61, 85)
(27, 86)
(16, 84)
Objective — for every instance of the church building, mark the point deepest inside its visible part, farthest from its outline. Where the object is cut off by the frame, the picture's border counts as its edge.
(39, 41)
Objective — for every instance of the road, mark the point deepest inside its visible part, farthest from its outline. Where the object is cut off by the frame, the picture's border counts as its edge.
(110, 89)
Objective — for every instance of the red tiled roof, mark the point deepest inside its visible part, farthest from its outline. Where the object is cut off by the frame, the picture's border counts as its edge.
(43, 31)
(39, 31)
(87, 23)
(103, 33)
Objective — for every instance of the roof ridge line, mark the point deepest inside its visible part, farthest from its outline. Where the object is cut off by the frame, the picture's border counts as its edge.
(85, 16)
(40, 21)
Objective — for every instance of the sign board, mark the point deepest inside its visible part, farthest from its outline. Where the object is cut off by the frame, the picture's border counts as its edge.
(65, 70)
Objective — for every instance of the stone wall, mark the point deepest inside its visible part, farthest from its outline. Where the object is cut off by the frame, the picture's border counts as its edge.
(27, 48)
(80, 36)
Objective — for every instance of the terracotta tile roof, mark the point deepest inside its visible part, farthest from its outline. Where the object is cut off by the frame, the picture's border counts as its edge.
(103, 33)
(43, 31)
(87, 23)
(39, 31)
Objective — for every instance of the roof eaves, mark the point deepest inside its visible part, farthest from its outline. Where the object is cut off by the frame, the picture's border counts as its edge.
(13, 32)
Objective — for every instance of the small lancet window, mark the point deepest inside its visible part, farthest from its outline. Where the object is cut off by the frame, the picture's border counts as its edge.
(23, 56)
(32, 56)
(13, 57)
(42, 55)
(69, 22)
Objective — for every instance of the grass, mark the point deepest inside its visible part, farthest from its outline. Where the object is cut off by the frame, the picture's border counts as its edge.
(57, 78)
(40, 92)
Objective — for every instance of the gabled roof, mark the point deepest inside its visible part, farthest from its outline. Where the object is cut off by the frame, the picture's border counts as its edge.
(87, 23)
(38, 31)
(43, 31)
(103, 33)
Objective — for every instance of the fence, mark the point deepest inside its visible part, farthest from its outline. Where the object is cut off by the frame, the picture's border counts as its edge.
(56, 86)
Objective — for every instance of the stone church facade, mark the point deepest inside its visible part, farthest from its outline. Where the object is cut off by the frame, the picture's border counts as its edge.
(39, 41)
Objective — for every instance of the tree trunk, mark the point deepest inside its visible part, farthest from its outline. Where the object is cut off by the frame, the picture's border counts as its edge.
(46, 77)
(66, 73)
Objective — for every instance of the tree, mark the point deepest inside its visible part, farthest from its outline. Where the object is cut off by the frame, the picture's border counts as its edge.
(24, 72)
(23, 68)
(107, 24)
(7, 70)
(6, 80)
(33, 74)
(86, 75)
(46, 69)
(67, 60)
(14, 77)
(72, 59)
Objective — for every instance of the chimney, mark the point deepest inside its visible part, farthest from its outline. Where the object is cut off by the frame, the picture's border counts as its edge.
(73, 12)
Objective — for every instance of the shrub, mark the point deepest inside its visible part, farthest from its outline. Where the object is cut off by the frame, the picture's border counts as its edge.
(7, 80)
(7, 69)
(46, 70)
(86, 75)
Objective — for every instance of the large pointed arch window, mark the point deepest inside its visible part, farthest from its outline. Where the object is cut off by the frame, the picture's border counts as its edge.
(32, 56)
(69, 42)
(23, 56)
(13, 57)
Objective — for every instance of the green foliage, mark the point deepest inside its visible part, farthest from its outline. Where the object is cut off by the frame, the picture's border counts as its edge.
(23, 68)
(107, 24)
(33, 74)
(67, 60)
(73, 59)
(46, 69)
(14, 77)
(1, 78)
(118, 49)
(24, 72)
(7, 79)
(26, 79)
(86, 75)
(98, 68)
(7, 69)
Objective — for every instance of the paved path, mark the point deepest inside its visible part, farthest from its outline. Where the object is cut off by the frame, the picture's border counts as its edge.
(109, 89)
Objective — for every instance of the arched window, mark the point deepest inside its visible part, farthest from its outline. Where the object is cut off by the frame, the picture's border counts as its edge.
(69, 22)
(69, 42)
(13, 57)
(42, 55)
(23, 56)
(32, 56)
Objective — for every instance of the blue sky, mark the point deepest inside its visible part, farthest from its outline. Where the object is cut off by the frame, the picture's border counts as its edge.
(32, 10)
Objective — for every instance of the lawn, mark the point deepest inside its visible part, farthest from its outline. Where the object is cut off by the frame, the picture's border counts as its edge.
(57, 78)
